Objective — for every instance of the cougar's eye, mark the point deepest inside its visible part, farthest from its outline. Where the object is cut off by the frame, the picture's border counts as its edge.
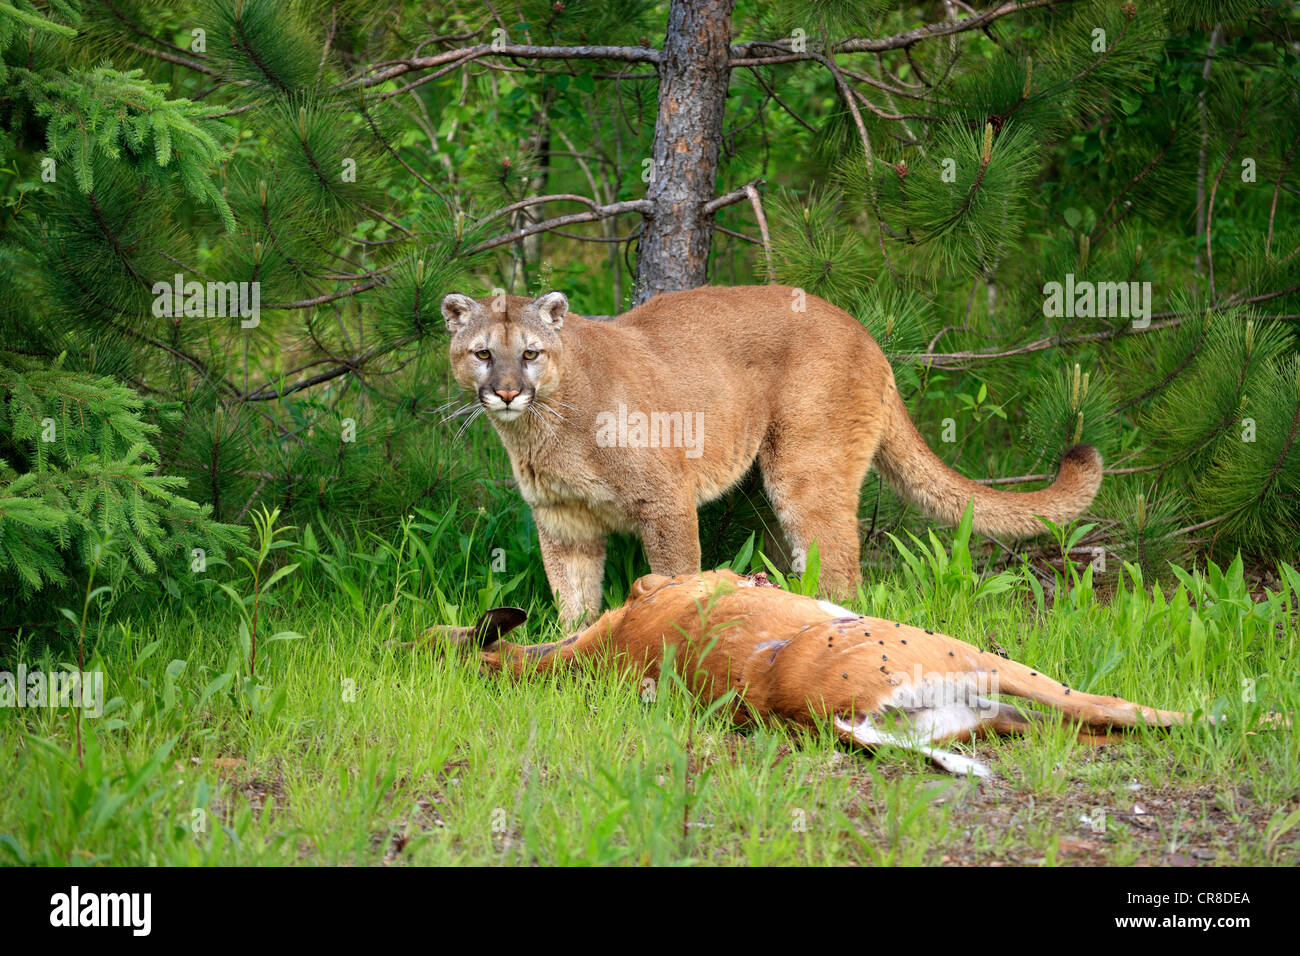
(484, 354)
(530, 354)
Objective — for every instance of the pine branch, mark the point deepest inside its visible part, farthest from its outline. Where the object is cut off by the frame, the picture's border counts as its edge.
(184, 61)
(1172, 374)
(948, 359)
(771, 92)
(642, 206)
(1277, 186)
(751, 190)
(737, 235)
(374, 130)
(731, 198)
(1214, 191)
(741, 53)
(462, 55)
(1215, 35)
(268, 392)
(324, 299)
(1103, 222)
(537, 201)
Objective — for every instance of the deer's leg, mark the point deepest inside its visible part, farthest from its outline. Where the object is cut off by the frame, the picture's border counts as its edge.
(519, 659)
(868, 733)
(1008, 719)
(1093, 711)
(925, 726)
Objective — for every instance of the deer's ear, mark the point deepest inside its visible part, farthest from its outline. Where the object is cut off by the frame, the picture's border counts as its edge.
(457, 310)
(647, 583)
(497, 623)
(551, 308)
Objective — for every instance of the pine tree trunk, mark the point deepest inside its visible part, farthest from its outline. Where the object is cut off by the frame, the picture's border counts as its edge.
(673, 252)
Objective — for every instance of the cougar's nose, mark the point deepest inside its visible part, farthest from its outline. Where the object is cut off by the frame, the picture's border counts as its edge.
(506, 394)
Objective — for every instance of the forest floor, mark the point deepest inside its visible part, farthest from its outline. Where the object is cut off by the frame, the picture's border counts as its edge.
(350, 750)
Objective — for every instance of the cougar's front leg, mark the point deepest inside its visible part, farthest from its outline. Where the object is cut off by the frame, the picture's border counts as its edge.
(575, 571)
(671, 537)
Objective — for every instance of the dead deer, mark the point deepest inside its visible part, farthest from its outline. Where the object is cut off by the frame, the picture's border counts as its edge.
(804, 661)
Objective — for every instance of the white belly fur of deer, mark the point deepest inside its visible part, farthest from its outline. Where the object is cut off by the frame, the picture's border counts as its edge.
(803, 661)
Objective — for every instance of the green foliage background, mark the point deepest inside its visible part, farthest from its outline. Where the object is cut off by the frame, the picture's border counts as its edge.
(223, 155)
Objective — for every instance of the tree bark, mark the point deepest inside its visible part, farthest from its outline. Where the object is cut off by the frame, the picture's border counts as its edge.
(694, 71)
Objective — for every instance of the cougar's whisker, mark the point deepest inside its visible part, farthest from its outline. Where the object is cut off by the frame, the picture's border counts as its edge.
(532, 410)
(469, 421)
(446, 405)
(547, 408)
(464, 410)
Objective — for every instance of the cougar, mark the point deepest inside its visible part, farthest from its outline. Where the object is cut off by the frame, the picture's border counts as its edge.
(630, 425)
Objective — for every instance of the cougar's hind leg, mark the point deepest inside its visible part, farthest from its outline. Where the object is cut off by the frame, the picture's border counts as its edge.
(815, 497)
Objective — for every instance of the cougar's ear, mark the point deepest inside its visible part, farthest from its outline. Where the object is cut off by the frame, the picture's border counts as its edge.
(497, 623)
(457, 310)
(551, 308)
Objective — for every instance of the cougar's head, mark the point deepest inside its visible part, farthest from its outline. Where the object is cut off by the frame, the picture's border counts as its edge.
(506, 349)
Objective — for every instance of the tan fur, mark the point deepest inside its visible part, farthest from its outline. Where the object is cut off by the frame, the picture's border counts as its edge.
(797, 660)
(807, 394)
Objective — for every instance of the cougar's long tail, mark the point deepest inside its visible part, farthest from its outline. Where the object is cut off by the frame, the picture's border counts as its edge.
(917, 474)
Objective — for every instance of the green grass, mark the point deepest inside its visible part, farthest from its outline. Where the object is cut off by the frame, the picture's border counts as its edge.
(347, 750)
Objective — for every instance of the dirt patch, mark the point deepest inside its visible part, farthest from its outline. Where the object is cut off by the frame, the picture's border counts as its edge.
(999, 823)
(260, 788)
